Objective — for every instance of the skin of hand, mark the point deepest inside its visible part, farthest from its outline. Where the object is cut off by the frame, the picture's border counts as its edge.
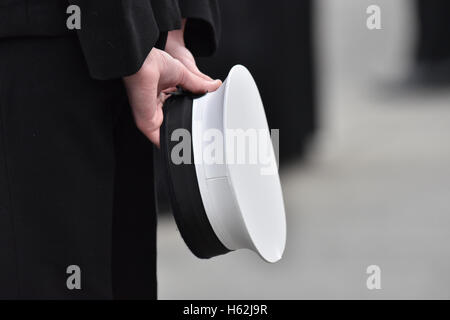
(175, 46)
(146, 89)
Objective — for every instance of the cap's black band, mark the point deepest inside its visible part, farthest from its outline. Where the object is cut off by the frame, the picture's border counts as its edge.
(182, 183)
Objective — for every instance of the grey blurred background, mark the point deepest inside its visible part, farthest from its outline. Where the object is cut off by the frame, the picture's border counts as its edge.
(372, 187)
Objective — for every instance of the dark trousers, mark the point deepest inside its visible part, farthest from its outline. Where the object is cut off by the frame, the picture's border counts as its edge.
(76, 179)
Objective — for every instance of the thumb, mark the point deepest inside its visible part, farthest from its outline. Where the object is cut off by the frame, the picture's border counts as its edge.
(174, 73)
(192, 66)
(195, 83)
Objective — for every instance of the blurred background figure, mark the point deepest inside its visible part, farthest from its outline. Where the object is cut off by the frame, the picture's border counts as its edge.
(374, 186)
(433, 49)
(275, 43)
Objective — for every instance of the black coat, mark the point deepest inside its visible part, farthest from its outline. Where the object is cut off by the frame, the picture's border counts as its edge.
(116, 36)
(76, 176)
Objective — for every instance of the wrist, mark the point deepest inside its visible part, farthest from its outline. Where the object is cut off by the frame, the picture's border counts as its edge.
(176, 36)
(147, 67)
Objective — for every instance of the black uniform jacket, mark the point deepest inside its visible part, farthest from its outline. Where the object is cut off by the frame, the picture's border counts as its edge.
(76, 175)
(115, 35)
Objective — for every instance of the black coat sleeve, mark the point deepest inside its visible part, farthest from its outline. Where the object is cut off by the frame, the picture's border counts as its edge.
(202, 31)
(116, 35)
(167, 14)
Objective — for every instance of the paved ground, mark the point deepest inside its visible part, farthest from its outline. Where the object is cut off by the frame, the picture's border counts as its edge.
(375, 188)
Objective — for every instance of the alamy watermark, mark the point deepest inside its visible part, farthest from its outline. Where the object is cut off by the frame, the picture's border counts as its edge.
(73, 281)
(374, 19)
(73, 22)
(373, 281)
(257, 147)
